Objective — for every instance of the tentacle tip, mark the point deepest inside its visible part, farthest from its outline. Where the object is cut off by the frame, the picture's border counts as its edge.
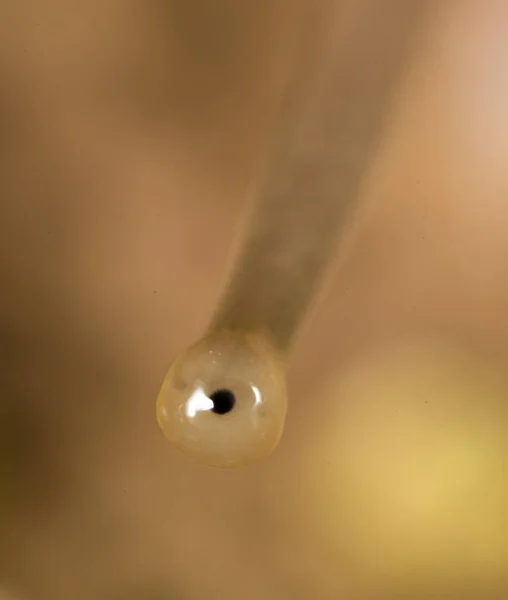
(223, 401)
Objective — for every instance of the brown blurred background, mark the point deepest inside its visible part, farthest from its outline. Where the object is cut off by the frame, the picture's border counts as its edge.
(129, 132)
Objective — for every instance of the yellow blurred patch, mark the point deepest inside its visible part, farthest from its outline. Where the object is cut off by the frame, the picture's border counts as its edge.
(408, 475)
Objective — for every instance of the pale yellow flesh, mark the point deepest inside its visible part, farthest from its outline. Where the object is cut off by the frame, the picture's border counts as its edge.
(245, 365)
(330, 124)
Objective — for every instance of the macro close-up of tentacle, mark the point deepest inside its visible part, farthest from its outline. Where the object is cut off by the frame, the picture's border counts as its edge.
(254, 308)
(348, 66)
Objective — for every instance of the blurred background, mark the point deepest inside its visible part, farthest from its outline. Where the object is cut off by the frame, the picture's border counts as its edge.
(129, 135)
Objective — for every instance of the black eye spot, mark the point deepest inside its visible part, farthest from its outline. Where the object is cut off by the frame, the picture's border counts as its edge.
(223, 401)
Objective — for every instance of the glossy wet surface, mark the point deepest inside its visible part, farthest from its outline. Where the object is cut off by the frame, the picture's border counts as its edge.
(129, 136)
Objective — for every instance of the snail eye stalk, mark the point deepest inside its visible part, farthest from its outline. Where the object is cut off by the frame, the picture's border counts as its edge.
(223, 401)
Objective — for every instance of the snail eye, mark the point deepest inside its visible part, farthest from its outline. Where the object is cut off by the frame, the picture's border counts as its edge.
(223, 401)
